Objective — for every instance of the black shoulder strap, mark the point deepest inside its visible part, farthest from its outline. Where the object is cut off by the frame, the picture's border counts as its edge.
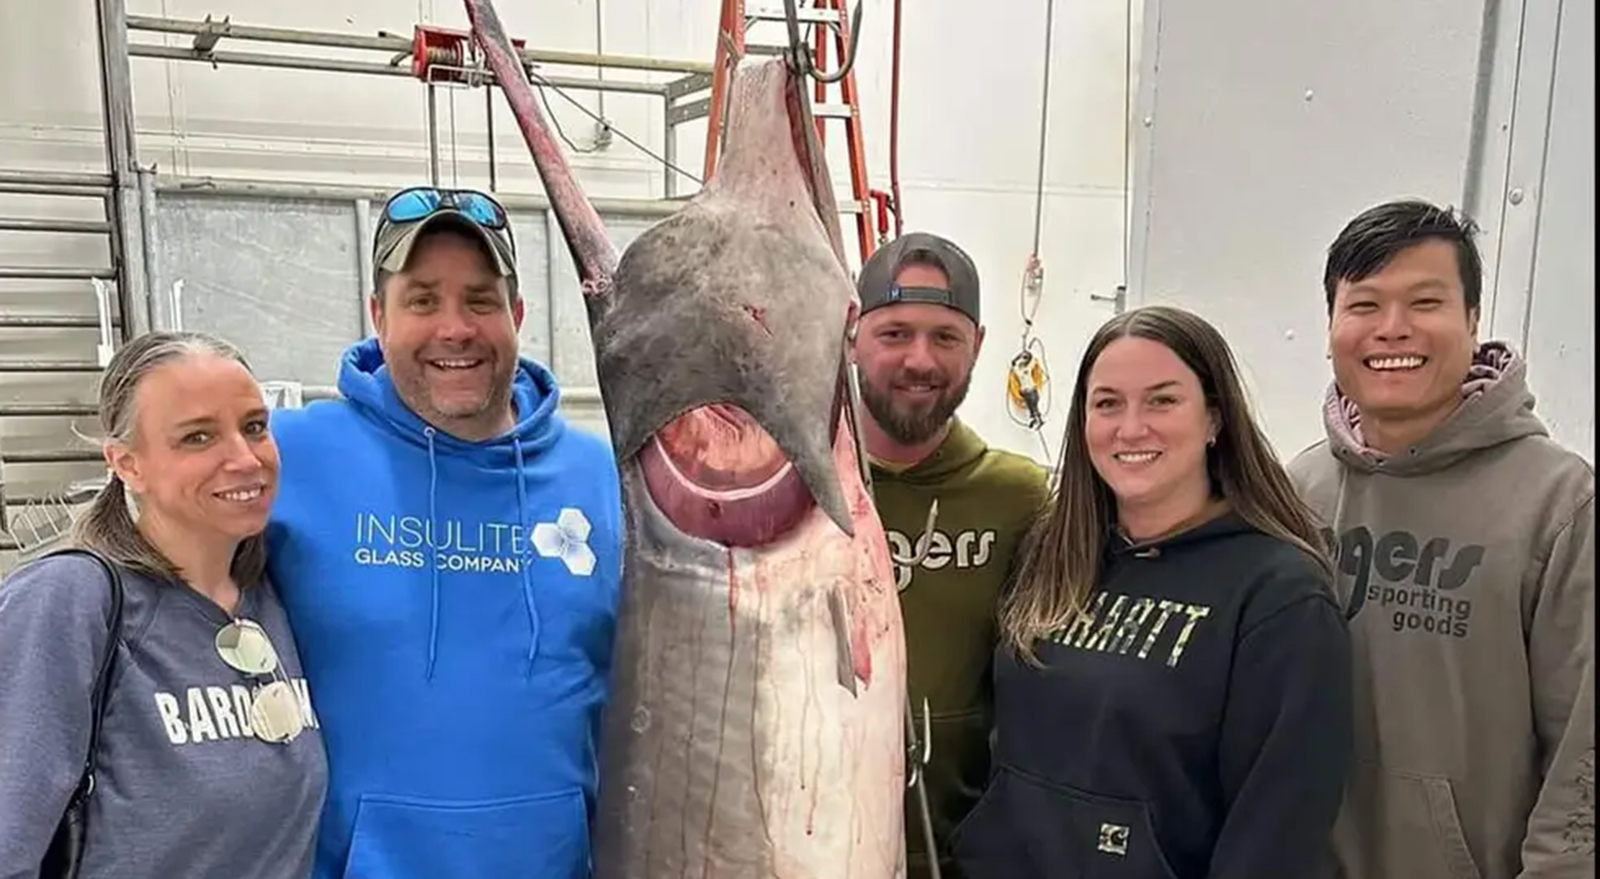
(102, 679)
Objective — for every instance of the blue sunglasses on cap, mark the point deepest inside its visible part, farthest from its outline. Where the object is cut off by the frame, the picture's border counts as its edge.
(420, 202)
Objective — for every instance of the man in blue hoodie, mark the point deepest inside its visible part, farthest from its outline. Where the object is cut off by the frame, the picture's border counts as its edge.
(448, 550)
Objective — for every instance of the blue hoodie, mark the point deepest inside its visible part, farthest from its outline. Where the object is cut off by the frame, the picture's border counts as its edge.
(454, 604)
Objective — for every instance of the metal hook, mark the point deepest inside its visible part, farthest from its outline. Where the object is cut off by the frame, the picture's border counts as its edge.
(855, 35)
(799, 53)
(919, 751)
(919, 744)
(924, 543)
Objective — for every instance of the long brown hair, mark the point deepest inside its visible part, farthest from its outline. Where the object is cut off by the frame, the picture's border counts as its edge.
(1063, 554)
(108, 527)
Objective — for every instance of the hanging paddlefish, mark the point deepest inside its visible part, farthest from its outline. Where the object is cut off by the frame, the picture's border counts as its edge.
(756, 724)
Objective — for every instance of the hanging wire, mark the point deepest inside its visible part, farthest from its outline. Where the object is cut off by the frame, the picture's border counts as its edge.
(540, 84)
(555, 122)
(1033, 274)
(1044, 124)
(1028, 376)
(455, 164)
(545, 84)
(1127, 139)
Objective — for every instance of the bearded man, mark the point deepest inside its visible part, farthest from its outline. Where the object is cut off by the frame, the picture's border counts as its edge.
(914, 349)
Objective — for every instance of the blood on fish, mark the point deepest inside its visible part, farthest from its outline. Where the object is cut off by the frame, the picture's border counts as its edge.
(733, 591)
(768, 752)
(717, 475)
(759, 315)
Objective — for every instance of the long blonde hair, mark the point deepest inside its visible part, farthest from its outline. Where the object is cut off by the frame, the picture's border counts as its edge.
(1063, 554)
(108, 527)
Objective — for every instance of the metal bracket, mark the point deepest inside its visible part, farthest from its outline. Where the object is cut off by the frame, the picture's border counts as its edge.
(1118, 300)
(680, 113)
(108, 345)
(211, 33)
(687, 85)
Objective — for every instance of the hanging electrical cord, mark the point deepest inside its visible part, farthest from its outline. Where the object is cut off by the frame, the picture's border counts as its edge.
(1127, 146)
(556, 124)
(1028, 378)
(894, 126)
(1119, 297)
(541, 83)
(455, 163)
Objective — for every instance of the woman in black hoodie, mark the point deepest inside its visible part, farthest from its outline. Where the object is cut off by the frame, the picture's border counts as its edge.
(1173, 685)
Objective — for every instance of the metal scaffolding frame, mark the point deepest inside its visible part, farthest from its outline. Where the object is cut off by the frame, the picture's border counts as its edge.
(453, 65)
(44, 520)
(129, 189)
(135, 187)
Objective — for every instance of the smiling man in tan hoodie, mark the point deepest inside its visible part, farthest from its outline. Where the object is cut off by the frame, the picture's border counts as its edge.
(1465, 544)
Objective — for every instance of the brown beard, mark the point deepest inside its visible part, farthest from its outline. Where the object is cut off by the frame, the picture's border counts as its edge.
(911, 428)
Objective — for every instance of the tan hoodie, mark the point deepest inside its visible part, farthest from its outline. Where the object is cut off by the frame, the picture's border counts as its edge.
(1467, 569)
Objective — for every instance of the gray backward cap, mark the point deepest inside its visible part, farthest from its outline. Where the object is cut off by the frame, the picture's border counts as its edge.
(877, 287)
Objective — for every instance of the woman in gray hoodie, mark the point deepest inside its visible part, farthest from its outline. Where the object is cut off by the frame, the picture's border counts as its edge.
(208, 760)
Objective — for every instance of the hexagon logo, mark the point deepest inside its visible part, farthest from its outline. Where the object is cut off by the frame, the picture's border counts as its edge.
(567, 539)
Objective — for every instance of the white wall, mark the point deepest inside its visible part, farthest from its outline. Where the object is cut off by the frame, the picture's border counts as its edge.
(1557, 260)
(969, 117)
(1250, 160)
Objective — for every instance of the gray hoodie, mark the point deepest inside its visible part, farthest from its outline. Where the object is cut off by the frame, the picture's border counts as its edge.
(183, 790)
(1467, 569)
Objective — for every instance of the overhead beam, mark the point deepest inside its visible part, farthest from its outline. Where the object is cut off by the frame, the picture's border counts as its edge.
(394, 44)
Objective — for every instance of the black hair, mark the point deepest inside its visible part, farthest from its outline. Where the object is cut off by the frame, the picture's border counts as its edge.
(1370, 241)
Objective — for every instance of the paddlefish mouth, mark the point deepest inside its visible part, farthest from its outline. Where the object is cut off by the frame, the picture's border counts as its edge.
(716, 474)
(720, 348)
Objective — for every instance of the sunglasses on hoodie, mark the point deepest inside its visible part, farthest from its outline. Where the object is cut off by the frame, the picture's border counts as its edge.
(275, 714)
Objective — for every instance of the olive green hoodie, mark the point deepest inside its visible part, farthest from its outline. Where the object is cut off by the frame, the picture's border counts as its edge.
(1466, 565)
(987, 500)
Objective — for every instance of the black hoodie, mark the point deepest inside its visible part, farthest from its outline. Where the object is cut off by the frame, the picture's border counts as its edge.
(1193, 724)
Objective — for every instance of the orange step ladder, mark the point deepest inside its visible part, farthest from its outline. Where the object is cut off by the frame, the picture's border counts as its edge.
(828, 22)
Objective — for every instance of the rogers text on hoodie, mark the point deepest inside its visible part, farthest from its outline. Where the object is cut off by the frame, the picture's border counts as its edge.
(1466, 567)
(1413, 580)
(454, 604)
(1193, 723)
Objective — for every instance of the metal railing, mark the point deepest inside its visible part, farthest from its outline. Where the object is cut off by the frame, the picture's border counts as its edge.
(28, 522)
(123, 287)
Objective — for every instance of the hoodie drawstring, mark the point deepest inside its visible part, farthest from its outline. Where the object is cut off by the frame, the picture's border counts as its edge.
(434, 531)
(432, 553)
(527, 577)
(365, 382)
(433, 550)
